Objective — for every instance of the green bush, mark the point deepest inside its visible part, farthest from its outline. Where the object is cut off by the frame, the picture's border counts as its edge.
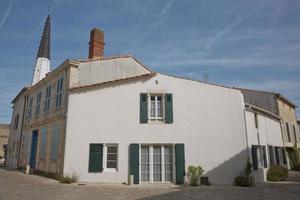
(294, 157)
(68, 179)
(246, 180)
(194, 174)
(277, 173)
(242, 181)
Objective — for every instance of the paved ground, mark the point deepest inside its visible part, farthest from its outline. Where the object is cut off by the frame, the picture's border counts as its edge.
(15, 185)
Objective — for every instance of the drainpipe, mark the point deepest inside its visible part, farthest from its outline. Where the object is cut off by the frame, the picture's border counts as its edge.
(21, 133)
(246, 131)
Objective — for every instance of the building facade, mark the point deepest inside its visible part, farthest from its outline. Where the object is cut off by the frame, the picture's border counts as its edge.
(278, 105)
(264, 141)
(106, 118)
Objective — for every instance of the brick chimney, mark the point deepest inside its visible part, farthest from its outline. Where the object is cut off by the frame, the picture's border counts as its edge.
(96, 44)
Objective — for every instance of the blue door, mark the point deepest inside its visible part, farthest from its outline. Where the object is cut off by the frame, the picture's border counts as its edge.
(33, 148)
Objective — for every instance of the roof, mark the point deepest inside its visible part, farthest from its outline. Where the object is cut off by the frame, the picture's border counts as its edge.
(114, 81)
(278, 95)
(260, 110)
(44, 48)
(20, 93)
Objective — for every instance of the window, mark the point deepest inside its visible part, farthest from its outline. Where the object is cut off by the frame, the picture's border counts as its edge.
(59, 92)
(47, 100)
(295, 135)
(29, 111)
(259, 157)
(111, 158)
(156, 107)
(38, 103)
(256, 120)
(43, 143)
(156, 163)
(288, 132)
(145, 164)
(55, 141)
(16, 122)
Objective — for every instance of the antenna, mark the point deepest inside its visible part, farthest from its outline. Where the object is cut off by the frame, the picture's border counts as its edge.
(205, 76)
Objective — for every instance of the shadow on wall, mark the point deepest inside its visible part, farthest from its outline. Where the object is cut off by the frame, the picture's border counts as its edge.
(226, 172)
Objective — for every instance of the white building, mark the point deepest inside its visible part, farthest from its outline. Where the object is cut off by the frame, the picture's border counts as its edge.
(264, 141)
(106, 118)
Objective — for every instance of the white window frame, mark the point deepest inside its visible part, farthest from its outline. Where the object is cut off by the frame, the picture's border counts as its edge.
(104, 156)
(156, 117)
(150, 146)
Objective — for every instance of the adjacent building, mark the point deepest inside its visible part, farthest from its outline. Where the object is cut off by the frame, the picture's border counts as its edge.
(264, 141)
(4, 133)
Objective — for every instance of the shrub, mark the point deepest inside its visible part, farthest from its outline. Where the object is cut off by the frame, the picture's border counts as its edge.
(294, 157)
(68, 179)
(194, 174)
(277, 173)
(242, 181)
(246, 180)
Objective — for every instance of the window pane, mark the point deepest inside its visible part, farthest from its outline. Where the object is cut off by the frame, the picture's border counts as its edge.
(159, 108)
(112, 156)
(111, 149)
(152, 108)
(111, 164)
(168, 163)
(145, 163)
(156, 164)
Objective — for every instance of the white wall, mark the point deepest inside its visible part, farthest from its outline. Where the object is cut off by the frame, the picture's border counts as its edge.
(208, 119)
(268, 133)
(108, 70)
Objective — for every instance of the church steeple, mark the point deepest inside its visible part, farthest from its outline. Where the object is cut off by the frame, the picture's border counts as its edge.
(42, 66)
(44, 49)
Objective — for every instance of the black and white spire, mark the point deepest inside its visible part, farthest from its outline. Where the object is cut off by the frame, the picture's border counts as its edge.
(42, 66)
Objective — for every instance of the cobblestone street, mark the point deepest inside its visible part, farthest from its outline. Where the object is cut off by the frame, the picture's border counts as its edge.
(15, 185)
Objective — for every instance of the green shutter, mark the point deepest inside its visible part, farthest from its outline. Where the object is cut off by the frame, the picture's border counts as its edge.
(96, 158)
(143, 108)
(265, 156)
(271, 155)
(168, 108)
(180, 163)
(134, 162)
(283, 156)
(254, 157)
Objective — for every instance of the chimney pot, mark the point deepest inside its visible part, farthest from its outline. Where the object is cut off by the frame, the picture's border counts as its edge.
(96, 44)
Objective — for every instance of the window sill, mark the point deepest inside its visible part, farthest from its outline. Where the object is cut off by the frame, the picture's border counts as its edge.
(110, 170)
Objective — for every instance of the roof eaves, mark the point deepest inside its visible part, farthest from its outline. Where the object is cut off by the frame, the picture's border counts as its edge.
(262, 111)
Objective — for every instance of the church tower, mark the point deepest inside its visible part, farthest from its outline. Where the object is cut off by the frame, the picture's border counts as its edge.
(42, 66)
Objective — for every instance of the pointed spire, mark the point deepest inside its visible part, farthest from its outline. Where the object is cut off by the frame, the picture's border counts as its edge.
(44, 48)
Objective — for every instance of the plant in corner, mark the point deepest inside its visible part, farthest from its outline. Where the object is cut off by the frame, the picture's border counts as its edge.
(277, 173)
(246, 180)
(68, 179)
(194, 174)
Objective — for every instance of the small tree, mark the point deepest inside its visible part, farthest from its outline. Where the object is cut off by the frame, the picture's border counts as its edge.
(194, 174)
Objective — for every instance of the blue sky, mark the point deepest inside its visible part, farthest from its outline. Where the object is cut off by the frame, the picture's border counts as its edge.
(253, 44)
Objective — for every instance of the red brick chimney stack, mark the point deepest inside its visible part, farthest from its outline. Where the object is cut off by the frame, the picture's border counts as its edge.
(96, 44)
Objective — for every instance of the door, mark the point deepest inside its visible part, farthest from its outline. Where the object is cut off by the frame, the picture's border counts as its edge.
(33, 148)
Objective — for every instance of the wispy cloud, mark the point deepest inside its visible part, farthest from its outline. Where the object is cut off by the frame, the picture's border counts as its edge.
(6, 14)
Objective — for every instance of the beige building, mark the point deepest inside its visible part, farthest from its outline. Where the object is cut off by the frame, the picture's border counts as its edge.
(4, 133)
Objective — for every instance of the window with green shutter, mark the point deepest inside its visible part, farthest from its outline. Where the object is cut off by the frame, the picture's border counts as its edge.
(180, 163)
(134, 162)
(96, 158)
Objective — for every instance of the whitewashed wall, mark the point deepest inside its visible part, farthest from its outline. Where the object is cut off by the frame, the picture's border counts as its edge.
(208, 119)
(268, 133)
